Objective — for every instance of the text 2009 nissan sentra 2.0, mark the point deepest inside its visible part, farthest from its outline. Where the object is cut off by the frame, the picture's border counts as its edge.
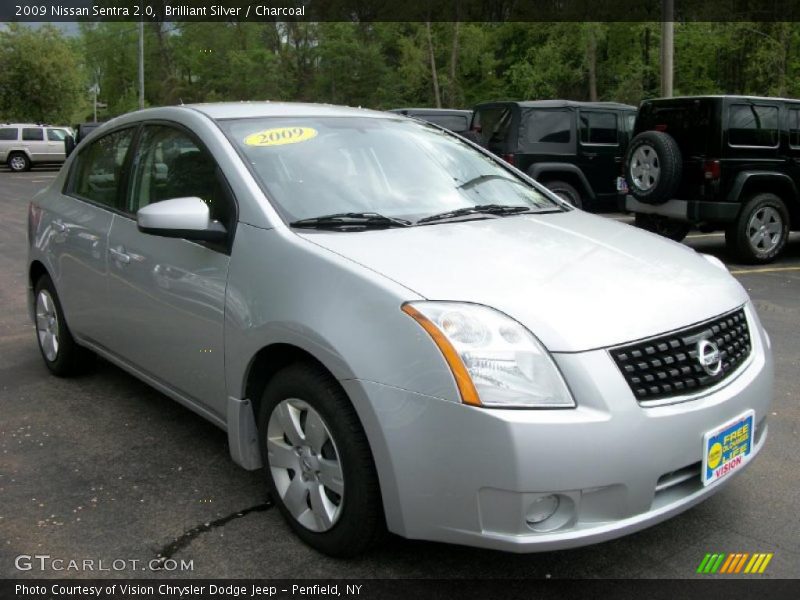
(402, 330)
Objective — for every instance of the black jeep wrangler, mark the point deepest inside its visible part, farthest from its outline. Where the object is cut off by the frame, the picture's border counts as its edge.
(718, 162)
(573, 148)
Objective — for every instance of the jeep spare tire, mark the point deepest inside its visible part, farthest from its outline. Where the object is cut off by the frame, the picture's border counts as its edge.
(653, 167)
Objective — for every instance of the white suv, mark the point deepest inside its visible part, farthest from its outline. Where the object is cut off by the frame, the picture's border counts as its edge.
(23, 145)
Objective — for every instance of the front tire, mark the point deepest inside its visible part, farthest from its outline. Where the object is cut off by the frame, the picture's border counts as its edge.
(566, 192)
(19, 162)
(663, 226)
(61, 354)
(760, 233)
(317, 462)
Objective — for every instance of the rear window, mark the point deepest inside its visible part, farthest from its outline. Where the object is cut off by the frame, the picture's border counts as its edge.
(33, 134)
(547, 127)
(598, 128)
(752, 125)
(9, 134)
(689, 122)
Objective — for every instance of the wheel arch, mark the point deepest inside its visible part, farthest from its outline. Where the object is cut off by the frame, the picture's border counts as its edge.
(243, 431)
(566, 172)
(36, 270)
(749, 183)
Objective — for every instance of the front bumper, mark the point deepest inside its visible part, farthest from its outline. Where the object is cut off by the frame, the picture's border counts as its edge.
(693, 211)
(459, 474)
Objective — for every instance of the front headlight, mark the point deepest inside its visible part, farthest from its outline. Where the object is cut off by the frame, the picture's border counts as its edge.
(496, 361)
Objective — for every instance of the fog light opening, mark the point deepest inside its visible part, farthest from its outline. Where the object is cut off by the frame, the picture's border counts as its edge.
(541, 509)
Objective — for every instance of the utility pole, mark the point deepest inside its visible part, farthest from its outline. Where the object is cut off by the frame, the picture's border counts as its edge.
(667, 46)
(95, 89)
(141, 64)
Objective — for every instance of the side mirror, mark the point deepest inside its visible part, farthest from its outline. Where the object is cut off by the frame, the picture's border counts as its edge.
(69, 144)
(187, 218)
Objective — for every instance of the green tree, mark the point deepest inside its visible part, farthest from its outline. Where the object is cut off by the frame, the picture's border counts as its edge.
(40, 76)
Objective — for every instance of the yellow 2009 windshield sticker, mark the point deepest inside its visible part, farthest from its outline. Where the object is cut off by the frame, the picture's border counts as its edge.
(280, 136)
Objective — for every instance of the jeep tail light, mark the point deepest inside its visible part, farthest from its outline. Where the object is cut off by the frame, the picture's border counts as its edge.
(661, 127)
(712, 170)
(509, 158)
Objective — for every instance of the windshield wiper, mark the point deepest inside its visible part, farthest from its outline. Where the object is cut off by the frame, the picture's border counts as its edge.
(356, 220)
(480, 209)
(481, 178)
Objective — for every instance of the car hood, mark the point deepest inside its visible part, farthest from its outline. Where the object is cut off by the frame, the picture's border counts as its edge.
(577, 281)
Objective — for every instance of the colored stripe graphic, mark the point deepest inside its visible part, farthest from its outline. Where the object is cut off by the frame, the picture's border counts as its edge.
(764, 564)
(742, 560)
(727, 564)
(720, 562)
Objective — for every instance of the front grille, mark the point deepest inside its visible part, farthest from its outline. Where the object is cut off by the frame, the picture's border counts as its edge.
(668, 365)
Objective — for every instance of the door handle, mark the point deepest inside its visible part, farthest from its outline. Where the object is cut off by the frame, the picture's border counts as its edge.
(59, 227)
(590, 155)
(119, 255)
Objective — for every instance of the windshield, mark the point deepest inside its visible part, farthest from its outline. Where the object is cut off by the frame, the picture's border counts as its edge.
(398, 168)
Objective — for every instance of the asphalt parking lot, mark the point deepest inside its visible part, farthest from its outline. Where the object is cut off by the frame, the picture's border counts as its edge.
(104, 467)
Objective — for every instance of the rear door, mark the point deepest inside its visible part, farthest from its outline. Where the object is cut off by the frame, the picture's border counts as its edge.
(599, 148)
(169, 293)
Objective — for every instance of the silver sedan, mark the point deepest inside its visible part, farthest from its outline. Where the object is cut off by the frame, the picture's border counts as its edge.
(401, 330)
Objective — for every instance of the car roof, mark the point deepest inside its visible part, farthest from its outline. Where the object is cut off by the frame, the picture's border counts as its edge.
(432, 111)
(561, 104)
(34, 125)
(245, 110)
(721, 97)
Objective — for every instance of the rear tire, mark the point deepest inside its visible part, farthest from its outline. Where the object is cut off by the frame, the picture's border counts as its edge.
(566, 192)
(318, 463)
(19, 162)
(760, 232)
(61, 354)
(663, 226)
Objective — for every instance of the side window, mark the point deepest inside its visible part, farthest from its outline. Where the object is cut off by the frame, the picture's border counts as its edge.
(9, 134)
(169, 164)
(751, 125)
(599, 128)
(56, 135)
(33, 134)
(99, 168)
(547, 127)
(794, 126)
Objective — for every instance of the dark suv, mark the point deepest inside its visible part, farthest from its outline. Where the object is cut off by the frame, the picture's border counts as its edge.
(718, 162)
(573, 148)
(455, 120)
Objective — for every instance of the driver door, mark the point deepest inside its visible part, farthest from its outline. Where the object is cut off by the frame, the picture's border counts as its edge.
(169, 293)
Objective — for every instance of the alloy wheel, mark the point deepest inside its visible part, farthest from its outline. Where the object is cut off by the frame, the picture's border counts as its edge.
(645, 168)
(17, 163)
(305, 465)
(47, 325)
(765, 229)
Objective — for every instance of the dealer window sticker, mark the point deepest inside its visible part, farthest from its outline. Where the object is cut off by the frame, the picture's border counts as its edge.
(280, 136)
